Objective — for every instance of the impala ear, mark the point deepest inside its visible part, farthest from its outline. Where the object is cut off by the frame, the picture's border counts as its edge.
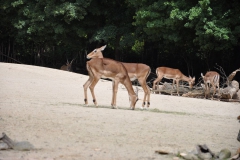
(194, 78)
(190, 77)
(103, 47)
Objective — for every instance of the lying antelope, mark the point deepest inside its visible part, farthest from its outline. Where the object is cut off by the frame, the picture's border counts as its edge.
(135, 71)
(174, 74)
(114, 70)
(67, 67)
(211, 78)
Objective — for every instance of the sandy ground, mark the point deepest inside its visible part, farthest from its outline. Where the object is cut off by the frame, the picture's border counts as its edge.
(45, 107)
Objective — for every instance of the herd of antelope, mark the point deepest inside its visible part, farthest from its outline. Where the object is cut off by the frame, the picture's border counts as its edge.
(119, 72)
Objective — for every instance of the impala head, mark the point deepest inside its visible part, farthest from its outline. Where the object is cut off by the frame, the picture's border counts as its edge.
(133, 100)
(191, 82)
(96, 53)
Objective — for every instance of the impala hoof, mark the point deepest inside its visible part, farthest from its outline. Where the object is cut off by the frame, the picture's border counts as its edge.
(114, 107)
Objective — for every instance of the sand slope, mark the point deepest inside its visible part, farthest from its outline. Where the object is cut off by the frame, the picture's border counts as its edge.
(45, 107)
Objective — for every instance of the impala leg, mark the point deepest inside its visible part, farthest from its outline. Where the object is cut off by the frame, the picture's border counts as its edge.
(148, 105)
(156, 82)
(91, 87)
(214, 90)
(114, 95)
(85, 87)
(177, 86)
(154, 86)
(157, 88)
(146, 90)
(206, 90)
(173, 84)
(148, 96)
(218, 90)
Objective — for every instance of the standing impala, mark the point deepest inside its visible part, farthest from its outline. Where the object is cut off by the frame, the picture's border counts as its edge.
(174, 74)
(114, 70)
(135, 71)
(211, 78)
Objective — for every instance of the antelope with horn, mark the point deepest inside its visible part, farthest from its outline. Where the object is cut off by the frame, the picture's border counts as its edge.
(135, 71)
(108, 68)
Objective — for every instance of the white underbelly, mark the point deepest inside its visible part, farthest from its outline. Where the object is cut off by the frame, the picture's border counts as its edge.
(107, 74)
(105, 77)
(133, 78)
(168, 77)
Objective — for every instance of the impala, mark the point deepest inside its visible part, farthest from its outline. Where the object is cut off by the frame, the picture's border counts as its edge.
(67, 67)
(174, 74)
(211, 78)
(135, 71)
(114, 70)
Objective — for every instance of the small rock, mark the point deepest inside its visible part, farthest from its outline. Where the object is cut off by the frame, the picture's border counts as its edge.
(205, 156)
(161, 152)
(3, 146)
(224, 154)
(23, 146)
(189, 156)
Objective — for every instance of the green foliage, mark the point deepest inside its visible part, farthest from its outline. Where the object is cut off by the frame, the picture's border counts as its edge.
(151, 28)
(138, 46)
(46, 21)
(209, 23)
(106, 34)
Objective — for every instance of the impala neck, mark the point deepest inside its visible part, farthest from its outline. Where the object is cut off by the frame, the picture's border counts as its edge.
(185, 78)
(128, 85)
(99, 56)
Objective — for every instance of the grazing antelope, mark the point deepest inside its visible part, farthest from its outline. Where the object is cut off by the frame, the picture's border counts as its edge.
(108, 68)
(174, 74)
(211, 78)
(135, 71)
(67, 67)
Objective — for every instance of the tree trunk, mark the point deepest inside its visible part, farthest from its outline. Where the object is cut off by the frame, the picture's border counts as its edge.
(230, 92)
(117, 51)
(117, 55)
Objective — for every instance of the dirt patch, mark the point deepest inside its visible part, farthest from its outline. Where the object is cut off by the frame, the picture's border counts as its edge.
(45, 107)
